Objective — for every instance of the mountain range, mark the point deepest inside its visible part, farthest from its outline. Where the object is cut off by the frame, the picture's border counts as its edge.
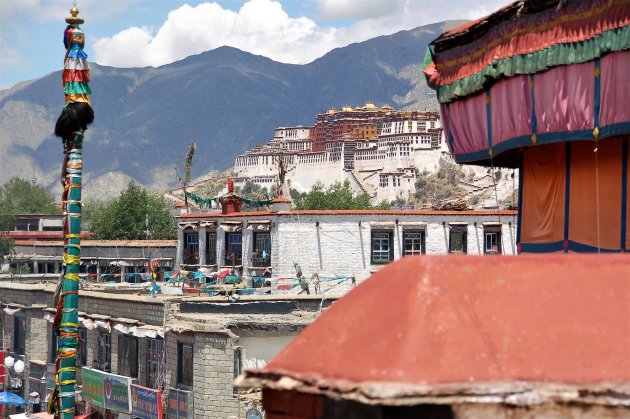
(226, 99)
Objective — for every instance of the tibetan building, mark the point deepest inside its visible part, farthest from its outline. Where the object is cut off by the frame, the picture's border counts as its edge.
(539, 85)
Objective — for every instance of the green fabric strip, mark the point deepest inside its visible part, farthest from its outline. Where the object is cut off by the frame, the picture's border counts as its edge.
(77, 88)
(562, 54)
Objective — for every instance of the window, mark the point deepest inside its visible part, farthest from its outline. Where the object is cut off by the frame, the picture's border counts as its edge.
(382, 247)
(155, 364)
(128, 356)
(413, 243)
(211, 248)
(82, 352)
(234, 249)
(103, 359)
(492, 240)
(238, 365)
(19, 334)
(184, 365)
(457, 239)
(53, 346)
(262, 249)
(191, 248)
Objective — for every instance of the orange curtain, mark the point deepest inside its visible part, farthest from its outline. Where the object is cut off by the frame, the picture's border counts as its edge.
(544, 173)
(584, 200)
(627, 194)
(593, 181)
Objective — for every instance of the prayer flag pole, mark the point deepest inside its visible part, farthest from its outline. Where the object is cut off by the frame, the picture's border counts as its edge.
(71, 125)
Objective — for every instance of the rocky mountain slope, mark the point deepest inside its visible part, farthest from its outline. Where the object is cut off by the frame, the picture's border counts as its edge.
(226, 99)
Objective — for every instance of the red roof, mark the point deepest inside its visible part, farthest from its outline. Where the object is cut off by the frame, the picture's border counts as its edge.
(427, 326)
(508, 213)
(39, 235)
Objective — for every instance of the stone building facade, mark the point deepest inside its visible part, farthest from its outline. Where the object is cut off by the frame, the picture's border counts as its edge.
(191, 345)
(355, 243)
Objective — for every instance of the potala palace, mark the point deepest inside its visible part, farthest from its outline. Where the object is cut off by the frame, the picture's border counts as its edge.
(377, 149)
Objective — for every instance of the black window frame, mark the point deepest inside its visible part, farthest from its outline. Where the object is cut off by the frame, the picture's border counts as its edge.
(127, 351)
(154, 377)
(19, 334)
(233, 248)
(238, 365)
(82, 350)
(54, 344)
(257, 256)
(423, 242)
(211, 247)
(454, 231)
(390, 251)
(488, 231)
(185, 368)
(103, 356)
(191, 248)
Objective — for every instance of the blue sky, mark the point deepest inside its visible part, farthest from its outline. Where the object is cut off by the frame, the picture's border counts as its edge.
(136, 33)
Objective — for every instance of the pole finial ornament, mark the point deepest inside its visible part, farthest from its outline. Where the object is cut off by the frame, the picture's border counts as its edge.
(74, 18)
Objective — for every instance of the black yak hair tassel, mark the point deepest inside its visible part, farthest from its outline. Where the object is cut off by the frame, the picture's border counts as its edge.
(75, 117)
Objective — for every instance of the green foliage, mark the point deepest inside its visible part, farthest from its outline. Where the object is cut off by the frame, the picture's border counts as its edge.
(498, 174)
(251, 188)
(21, 269)
(384, 205)
(6, 248)
(444, 185)
(135, 215)
(89, 209)
(337, 196)
(19, 196)
(296, 196)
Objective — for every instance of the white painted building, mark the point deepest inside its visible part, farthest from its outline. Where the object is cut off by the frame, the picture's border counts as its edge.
(354, 243)
(384, 164)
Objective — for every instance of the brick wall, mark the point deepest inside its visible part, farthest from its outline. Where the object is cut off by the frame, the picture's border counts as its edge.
(213, 376)
(142, 361)
(26, 294)
(150, 311)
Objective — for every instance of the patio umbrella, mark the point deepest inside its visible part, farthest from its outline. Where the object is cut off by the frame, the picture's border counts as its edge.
(10, 399)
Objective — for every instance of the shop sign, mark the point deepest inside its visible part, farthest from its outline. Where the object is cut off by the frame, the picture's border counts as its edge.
(146, 403)
(93, 386)
(180, 404)
(117, 393)
(50, 375)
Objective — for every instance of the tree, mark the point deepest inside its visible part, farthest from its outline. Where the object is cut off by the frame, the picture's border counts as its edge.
(337, 196)
(19, 196)
(135, 215)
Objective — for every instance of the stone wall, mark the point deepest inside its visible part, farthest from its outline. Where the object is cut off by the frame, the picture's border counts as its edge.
(150, 311)
(212, 387)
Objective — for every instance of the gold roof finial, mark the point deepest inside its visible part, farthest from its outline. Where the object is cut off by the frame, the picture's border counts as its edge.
(74, 19)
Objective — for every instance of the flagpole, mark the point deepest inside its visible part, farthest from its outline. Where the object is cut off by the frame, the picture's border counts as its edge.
(71, 125)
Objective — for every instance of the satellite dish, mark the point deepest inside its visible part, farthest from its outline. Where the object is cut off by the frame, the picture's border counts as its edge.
(253, 414)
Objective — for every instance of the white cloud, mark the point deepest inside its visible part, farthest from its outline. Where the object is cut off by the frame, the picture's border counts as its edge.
(358, 9)
(263, 27)
(260, 26)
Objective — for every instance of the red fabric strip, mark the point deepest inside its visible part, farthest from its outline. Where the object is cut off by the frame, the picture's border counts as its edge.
(76, 75)
(577, 22)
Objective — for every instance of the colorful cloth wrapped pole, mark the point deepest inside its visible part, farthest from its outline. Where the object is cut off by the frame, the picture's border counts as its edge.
(77, 114)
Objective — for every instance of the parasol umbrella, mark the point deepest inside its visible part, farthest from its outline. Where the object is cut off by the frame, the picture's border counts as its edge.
(10, 399)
